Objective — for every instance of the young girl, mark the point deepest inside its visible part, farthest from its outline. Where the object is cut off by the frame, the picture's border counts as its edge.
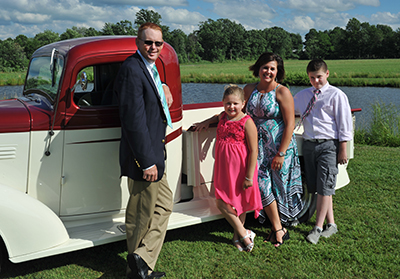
(235, 169)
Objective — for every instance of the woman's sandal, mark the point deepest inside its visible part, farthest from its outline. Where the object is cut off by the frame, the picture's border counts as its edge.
(270, 236)
(238, 244)
(250, 235)
(284, 237)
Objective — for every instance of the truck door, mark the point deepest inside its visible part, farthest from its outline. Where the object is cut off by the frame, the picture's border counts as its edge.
(90, 174)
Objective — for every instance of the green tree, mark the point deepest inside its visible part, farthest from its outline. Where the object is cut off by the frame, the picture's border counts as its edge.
(81, 30)
(222, 39)
(12, 56)
(337, 37)
(91, 32)
(396, 43)
(107, 29)
(40, 39)
(238, 47)
(257, 42)
(144, 16)
(193, 48)
(311, 48)
(386, 45)
(46, 37)
(318, 44)
(278, 41)
(213, 39)
(365, 50)
(353, 38)
(70, 34)
(22, 40)
(178, 42)
(124, 27)
(297, 46)
(30, 47)
(167, 36)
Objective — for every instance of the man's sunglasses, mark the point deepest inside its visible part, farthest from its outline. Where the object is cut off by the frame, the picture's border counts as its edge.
(150, 43)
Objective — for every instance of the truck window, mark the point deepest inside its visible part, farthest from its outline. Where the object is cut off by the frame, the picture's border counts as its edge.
(99, 91)
(39, 76)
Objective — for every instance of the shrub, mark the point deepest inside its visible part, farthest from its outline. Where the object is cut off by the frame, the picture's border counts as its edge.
(384, 128)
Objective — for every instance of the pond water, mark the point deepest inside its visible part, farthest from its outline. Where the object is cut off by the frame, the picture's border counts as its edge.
(359, 97)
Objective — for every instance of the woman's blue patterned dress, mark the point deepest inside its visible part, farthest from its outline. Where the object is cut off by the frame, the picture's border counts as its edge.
(284, 186)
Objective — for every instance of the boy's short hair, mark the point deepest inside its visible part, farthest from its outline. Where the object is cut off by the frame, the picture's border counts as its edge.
(316, 65)
(264, 59)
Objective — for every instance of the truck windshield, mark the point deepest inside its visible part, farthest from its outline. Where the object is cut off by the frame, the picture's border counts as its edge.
(40, 76)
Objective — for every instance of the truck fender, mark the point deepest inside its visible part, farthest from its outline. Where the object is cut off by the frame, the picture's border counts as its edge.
(27, 225)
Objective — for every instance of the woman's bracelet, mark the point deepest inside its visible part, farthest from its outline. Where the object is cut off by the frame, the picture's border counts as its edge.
(248, 179)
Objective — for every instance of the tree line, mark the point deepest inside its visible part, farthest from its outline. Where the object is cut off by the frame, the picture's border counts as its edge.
(222, 39)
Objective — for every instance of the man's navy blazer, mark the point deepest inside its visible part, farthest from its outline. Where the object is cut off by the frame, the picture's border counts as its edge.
(143, 122)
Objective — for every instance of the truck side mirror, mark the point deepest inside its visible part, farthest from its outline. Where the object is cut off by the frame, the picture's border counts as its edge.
(82, 81)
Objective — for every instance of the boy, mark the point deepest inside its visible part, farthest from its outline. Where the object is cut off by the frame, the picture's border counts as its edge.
(328, 125)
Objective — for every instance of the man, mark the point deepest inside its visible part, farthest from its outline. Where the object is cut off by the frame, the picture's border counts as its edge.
(142, 152)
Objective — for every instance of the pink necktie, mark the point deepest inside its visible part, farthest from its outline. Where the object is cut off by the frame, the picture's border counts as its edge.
(309, 107)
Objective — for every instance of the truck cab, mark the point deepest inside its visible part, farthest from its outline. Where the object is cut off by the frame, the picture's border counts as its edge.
(59, 147)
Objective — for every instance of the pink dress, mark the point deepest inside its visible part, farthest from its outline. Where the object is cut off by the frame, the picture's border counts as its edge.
(231, 156)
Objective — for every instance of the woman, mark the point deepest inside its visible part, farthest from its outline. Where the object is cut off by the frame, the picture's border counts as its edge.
(271, 106)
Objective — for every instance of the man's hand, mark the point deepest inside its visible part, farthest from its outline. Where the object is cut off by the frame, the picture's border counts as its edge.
(150, 174)
(168, 95)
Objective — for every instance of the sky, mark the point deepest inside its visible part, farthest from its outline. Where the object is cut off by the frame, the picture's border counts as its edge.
(30, 17)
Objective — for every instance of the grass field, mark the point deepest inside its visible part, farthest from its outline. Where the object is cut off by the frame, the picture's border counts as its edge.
(367, 245)
(17, 78)
(377, 72)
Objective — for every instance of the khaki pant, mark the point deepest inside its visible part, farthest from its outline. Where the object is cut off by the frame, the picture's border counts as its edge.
(147, 213)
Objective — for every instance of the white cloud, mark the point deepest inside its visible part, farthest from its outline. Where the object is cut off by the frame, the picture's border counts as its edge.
(31, 18)
(386, 18)
(252, 14)
(180, 16)
(302, 24)
(373, 3)
(173, 3)
(319, 6)
(244, 10)
(180, 19)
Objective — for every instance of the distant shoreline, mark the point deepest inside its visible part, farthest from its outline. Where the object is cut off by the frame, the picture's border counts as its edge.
(355, 73)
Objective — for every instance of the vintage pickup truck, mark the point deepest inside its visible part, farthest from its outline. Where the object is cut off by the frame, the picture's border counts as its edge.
(60, 185)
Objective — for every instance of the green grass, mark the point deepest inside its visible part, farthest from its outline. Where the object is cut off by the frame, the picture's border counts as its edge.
(368, 72)
(377, 72)
(13, 78)
(367, 245)
(384, 129)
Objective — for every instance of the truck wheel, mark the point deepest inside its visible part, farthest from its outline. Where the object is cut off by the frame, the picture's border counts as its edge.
(3, 254)
(310, 205)
(1, 257)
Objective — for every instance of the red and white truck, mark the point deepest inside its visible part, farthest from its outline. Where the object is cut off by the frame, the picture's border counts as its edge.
(60, 185)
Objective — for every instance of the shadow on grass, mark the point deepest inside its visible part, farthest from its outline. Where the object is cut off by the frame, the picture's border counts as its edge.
(109, 261)
(104, 261)
(207, 231)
